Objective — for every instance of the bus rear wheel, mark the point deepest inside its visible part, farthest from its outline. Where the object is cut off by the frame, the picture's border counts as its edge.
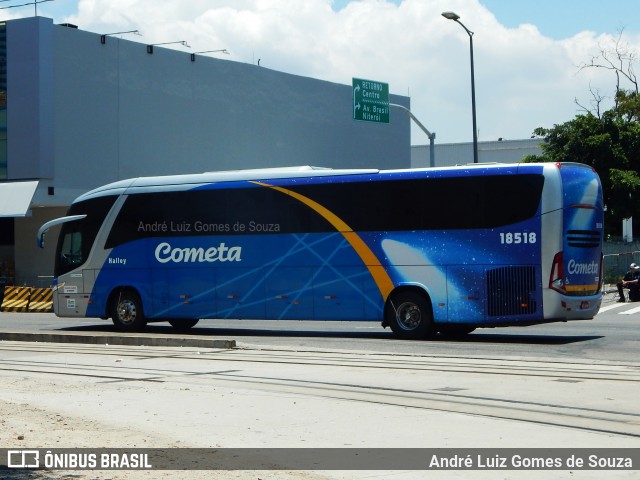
(127, 314)
(183, 324)
(409, 316)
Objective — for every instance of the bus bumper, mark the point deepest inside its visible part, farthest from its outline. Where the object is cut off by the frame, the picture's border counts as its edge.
(70, 304)
(582, 308)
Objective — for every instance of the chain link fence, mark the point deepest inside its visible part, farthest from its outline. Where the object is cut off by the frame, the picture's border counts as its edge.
(617, 264)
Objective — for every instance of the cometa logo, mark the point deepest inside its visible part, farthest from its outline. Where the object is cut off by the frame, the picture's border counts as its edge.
(574, 268)
(165, 254)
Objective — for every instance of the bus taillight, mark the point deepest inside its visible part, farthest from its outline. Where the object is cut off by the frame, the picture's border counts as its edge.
(556, 279)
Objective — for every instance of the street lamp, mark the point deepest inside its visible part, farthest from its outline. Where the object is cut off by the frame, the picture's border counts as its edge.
(181, 42)
(221, 50)
(34, 3)
(431, 135)
(456, 18)
(103, 37)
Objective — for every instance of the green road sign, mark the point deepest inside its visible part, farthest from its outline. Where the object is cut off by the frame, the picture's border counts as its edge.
(370, 101)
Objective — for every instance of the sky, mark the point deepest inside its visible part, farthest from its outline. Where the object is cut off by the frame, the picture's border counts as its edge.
(527, 53)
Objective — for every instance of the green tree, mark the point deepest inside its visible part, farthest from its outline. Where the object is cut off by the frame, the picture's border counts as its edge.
(628, 103)
(609, 142)
(611, 145)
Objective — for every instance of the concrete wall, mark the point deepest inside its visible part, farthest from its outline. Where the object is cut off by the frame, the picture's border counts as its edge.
(30, 87)
(93, 113)
(34, 265)
(448, 154)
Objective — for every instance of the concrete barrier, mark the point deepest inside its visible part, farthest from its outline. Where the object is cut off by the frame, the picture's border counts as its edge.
(41, 300)
(16, 299)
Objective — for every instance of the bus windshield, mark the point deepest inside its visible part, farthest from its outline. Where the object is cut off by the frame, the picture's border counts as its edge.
(77, 237)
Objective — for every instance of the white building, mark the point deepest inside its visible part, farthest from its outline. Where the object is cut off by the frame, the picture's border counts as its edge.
(499, 151)
(79, 109)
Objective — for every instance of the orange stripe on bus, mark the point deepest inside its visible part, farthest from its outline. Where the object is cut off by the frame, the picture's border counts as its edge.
(377, 271)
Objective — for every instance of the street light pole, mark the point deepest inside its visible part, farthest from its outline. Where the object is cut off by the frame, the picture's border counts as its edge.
(431, 135)
(456, 18)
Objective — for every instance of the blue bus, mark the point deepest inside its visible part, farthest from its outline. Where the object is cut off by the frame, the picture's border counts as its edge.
(422, 251)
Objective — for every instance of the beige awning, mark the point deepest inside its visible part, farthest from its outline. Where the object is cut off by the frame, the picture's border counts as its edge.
(15, 198)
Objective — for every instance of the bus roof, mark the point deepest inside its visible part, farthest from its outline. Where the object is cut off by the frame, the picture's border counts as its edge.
(195, 179)
(187, 181)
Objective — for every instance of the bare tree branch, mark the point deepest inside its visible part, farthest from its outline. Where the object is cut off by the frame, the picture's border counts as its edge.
(620, 59)
(596, 102)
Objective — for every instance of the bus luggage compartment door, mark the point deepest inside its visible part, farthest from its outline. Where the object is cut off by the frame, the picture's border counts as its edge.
(289, 293)
(190, 293)
(339, 293)
(240, 292)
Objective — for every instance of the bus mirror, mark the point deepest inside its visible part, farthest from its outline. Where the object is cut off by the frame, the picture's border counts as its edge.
(43, 229)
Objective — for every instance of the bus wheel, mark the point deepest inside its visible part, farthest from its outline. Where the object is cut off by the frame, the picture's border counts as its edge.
(183, 324)
(410, 316)
(454, 331)
(127, 311)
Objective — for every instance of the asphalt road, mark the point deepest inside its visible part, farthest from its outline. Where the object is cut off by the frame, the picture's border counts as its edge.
(614, 335)
(319, 384)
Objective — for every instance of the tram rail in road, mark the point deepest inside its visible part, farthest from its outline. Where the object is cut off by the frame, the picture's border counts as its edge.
(592, 401)
(313, 384)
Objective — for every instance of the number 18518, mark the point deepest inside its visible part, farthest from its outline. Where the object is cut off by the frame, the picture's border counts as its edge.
(518, 237)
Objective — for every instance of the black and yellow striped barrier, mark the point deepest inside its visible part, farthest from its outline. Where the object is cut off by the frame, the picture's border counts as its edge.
(41, 300)
(27, 299)
(16, 299)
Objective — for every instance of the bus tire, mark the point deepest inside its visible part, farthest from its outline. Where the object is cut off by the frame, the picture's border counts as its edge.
(409, 315)
(183, 323)
(127, 313)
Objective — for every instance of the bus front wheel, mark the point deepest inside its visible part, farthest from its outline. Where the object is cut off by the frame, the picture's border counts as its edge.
(409, 316)
(127, 314)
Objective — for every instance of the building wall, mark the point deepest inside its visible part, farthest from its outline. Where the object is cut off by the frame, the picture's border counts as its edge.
(33, 265)
(82, 114)
(502, 151)
(30, 86)
(117, 112)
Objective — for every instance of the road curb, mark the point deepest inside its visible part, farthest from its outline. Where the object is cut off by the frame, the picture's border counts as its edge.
(116, 339)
